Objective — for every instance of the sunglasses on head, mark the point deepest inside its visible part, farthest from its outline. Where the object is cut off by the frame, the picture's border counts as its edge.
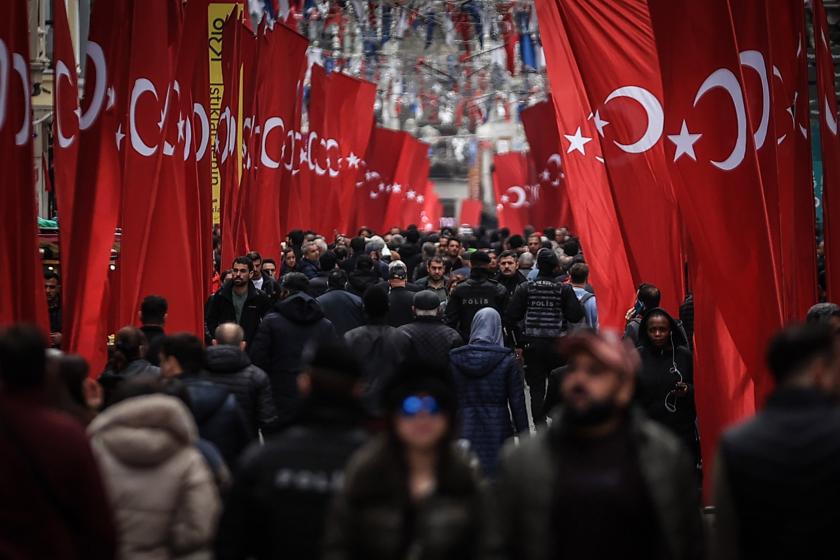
(415, 404)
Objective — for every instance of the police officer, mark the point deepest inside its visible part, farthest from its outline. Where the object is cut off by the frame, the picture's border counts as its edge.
(545, 307)
(479, 291)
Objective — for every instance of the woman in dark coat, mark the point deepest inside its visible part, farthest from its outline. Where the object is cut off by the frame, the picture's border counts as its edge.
(488, 380)
(665, 387)
(408, 493)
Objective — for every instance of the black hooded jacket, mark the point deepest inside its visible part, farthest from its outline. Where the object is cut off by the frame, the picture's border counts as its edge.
(281, 339)
(220, 310)
(660, 372)
(230, 367)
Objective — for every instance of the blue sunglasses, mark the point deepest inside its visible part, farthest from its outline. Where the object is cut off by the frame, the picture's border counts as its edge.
(415, 404)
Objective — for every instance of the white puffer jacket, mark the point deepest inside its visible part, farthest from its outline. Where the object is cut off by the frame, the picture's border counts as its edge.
(165, 500)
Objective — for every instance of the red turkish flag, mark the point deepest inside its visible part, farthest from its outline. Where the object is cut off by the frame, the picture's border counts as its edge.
(551, 203)
(614, 48)
(412, 206)
(281, 146)
(226, 132)
(412, 149)
(432, 208)
(66, 117)
(375, 181)
(830, 143)
(797, 251)
(24, 299)
(586, 180)
(513, 183)
(715, 170)
(470, 213)
(96, 203)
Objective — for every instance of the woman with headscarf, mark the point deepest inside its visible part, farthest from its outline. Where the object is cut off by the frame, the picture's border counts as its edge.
(488, 380)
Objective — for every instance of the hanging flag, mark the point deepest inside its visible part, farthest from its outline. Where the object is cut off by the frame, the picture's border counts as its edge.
(587, 184)
(226, 135)
(830, 144)
(85, 283)
(551, 199)
(513, 184)
(798, 252)
(66, 117)
(375, 180)
(470, 214)
(24, 299)
(412, 207)
(396, 190)
(616, 55)
(715, 171)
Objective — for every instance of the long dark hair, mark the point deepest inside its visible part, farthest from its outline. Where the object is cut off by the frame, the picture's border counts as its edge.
(127, 348)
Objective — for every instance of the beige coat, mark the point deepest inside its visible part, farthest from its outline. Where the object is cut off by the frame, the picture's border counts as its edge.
(164, 498)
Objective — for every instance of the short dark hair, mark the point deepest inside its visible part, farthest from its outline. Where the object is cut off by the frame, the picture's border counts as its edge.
(454, 238)
(649, 295)
(337, 279)
(579, 273)
(571, 247)
(516, 241)
(327, 261)
(254, 256)
(153, 309)
(340, 252)
(22, 357)
(294, 282)
(436, 259)
(244, 259)
(266, 261)
(296, 236)
(507, 254)
(376, 301)
(822, 312)
(795, 348)
(185, 348)
(358, 244)
(52, 275)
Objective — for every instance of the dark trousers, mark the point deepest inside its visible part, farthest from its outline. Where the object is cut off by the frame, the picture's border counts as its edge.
(540, 358)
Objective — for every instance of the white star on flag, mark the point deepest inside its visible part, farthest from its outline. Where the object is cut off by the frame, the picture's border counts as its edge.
(545, 175)
(600, 123)
(381, 187)
(505, 199)
(421, 199)
(181, 122)
(577, 141)
(303, 157)
(353, 161)
(684, 141)
(396, 187)
(373, 194)
(119, 136)
(410, 195)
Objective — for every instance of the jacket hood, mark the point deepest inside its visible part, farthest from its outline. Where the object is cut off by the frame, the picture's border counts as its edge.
(206, 399)
(300, 308)
(360, 280)
(478, 360)
(226, 359)
(144, 431)
(676, 333)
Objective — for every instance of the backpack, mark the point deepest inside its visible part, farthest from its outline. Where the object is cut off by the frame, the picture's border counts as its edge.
(582, 324)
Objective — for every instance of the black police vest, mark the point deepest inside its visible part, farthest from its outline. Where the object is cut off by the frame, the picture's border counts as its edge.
(544, 311)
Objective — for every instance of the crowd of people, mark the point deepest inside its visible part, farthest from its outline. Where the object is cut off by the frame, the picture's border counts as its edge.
(410, 395)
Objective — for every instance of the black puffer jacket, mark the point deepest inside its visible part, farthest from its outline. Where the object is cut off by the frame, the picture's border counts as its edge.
(661, 369)
(381, 349)
(343, 309)
(218, 417)
(431, 342)
(280, 341)
(230, 367)
(283, 490)
(373, 518)
(360, 280)
(468, 297)
(220, 310)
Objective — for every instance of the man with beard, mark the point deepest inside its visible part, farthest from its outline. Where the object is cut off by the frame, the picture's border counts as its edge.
(435, 281)
(52, 285)
(509, 275)
(239, 301)
(602, 482)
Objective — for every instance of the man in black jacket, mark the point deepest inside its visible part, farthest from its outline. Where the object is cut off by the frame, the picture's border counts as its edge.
(320, 282)
(152, 320)
(509, 275)
(431, 340)
(602, 481)
(260, 279)
(546, 306)
(239, 301)
(229, 366)
(777, 476)
(342, 308)
(400, 297)
(295, 321)
(477, 292)
(278, 503)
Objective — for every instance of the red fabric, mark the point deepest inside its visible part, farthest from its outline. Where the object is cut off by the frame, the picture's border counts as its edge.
(375, 179)
(412, 149)
(716, 175)
(586, 181)
(512, 183)
(412, 206)
(615, 51)
(21, 269)
(551, 205)
(470, 212)
(225, 141)
(796, 189)
(510, 38)
(65, 121)
(278, 115)
(830, 143)
(85, 284)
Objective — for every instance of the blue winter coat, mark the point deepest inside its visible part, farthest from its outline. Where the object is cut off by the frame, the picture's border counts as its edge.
(488, 379)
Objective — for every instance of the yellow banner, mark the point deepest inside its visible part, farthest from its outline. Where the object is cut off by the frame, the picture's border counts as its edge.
(217, 13)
